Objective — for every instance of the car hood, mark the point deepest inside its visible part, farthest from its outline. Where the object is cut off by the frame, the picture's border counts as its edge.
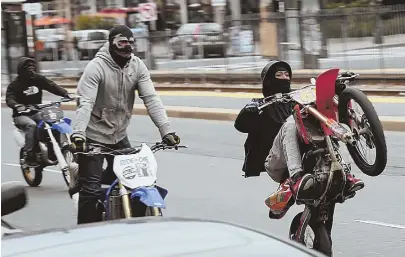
(151, 237)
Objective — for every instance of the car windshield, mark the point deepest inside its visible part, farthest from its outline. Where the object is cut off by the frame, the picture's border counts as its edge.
(210, 27)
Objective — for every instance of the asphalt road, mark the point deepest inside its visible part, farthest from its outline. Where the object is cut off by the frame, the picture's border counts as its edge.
(391, 57)
(206, 181)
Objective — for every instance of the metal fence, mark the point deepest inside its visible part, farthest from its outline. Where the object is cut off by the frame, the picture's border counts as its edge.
(355, 38)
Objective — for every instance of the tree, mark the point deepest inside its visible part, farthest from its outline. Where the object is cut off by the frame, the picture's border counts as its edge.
(93, 22)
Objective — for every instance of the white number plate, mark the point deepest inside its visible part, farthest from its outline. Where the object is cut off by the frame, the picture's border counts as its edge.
(138, 169)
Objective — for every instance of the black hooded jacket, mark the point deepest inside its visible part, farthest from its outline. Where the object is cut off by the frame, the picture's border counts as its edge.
(262, 130)
(26, 91)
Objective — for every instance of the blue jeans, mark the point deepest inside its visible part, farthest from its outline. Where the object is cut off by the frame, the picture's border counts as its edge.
(284, 158)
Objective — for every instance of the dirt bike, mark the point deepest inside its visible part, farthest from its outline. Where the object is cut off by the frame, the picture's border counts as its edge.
(53, 142)
(324, 116)
(134, 193)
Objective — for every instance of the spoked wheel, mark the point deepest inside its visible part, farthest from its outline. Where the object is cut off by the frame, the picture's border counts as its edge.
(72, 168)
(32, 175)
(358, 113)
(314, 237)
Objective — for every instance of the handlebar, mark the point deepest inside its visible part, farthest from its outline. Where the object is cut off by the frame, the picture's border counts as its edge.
(285, 98)
(62, 100)
(95, 149)
(36, 107)
(345, 79)
(279, 98)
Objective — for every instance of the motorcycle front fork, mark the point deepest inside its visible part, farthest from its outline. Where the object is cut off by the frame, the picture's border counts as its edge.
(56, 149)
(125, 200)
(154, 211)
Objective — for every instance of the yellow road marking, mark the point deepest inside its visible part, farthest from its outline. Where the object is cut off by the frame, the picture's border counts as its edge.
(242, 95)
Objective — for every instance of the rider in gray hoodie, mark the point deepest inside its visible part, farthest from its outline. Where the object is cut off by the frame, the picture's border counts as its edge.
(107, 95)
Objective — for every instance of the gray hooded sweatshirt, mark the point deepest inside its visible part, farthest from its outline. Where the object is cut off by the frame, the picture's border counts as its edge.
(107, 97)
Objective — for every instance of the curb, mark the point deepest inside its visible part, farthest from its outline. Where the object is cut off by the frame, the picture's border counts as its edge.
(390, 123)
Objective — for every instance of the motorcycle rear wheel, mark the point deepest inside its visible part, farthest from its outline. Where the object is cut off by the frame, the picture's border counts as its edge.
(322, 241)
(373, 122)
(32, 180)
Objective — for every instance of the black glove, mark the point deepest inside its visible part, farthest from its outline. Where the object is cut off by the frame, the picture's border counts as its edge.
(171, 139)
(20, 107)
(78, 142)
(252, 107)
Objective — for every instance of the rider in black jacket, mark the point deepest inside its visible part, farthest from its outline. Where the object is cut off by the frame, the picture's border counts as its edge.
(24, 91)
(272, 144)
(262, 129)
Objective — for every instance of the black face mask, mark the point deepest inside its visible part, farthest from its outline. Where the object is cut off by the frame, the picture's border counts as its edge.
(121, 54)
(273, 85)
(28, 70)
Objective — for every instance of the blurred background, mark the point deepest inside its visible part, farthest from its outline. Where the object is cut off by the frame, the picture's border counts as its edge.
(201, 35)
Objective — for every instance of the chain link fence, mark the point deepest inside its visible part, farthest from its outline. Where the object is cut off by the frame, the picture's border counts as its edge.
(371, 38)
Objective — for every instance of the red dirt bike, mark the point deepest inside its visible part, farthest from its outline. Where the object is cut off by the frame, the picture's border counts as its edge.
(324, 115)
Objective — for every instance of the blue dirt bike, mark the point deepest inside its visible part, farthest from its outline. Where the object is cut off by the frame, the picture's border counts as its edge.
(53, 142)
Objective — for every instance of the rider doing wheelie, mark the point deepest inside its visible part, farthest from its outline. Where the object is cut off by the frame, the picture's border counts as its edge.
(273, 144)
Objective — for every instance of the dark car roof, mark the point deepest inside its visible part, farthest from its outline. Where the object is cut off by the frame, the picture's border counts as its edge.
(152, 237)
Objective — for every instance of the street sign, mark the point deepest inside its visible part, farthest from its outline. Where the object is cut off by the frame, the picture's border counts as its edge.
(147, 11)
(33, 9)
(218, 2)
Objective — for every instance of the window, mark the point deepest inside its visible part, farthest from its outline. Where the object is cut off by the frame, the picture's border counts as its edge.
(97, 36)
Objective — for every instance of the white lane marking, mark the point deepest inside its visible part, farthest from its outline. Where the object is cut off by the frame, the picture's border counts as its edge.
(18, 165)
(381, 224)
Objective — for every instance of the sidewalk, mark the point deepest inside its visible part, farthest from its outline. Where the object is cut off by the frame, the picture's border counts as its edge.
(340, 44)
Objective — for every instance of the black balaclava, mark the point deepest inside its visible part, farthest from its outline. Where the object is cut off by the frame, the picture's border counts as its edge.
(26, 68)
(273, 85)
(121, 54)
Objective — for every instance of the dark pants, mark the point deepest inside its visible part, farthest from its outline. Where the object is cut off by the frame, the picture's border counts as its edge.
(28, 124)
(90, 179)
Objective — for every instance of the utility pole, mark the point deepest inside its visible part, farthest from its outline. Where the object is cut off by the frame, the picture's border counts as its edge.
(68, 38)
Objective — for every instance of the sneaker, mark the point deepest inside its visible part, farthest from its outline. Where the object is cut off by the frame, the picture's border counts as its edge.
(303, 187)
(353, 184)
(280, 201)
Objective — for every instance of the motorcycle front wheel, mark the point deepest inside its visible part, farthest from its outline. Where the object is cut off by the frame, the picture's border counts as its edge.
(315, 237)
(367, 128)
(72, 168)
(33, 176)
